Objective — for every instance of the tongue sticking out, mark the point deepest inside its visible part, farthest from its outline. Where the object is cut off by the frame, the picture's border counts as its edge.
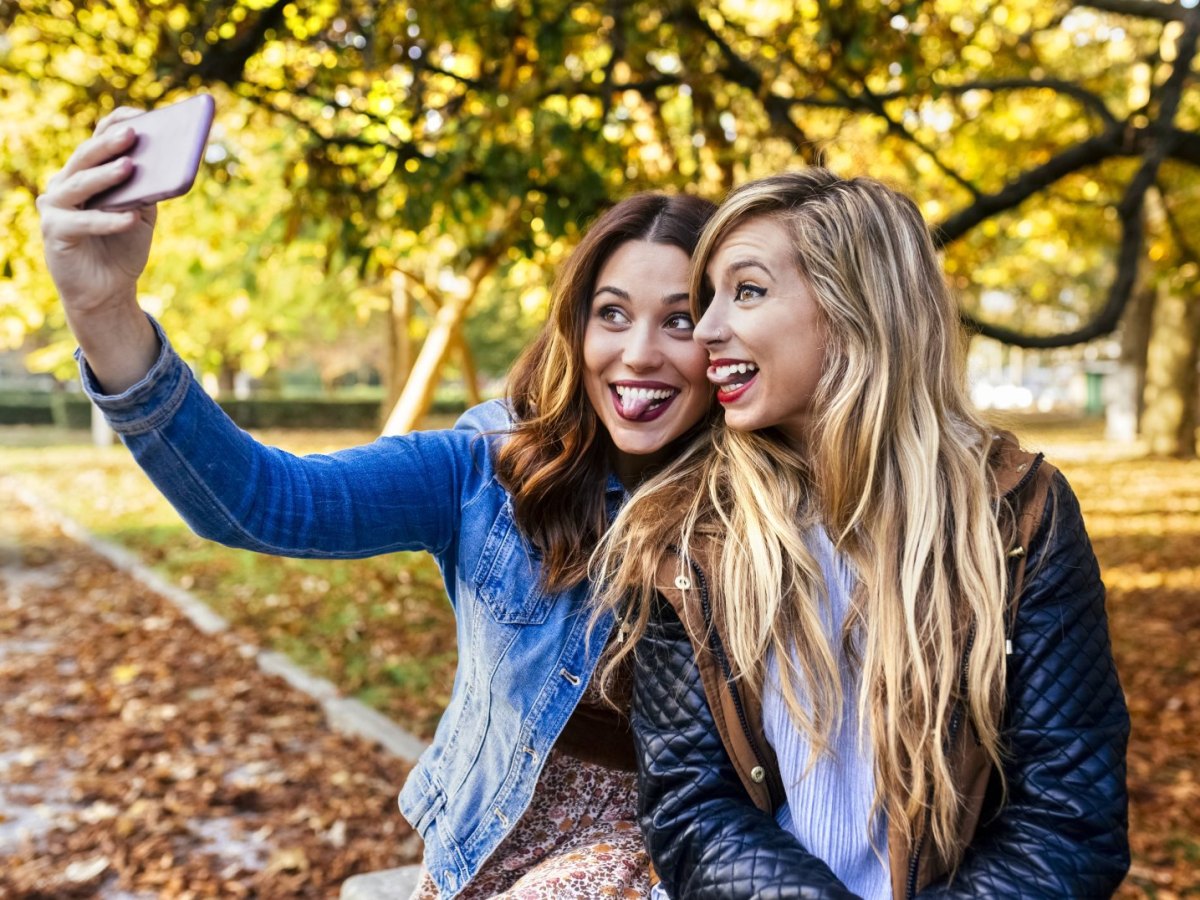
(634, 405)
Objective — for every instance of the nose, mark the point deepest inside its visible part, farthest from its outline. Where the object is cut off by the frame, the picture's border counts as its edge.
(642, 347)
(711, 330)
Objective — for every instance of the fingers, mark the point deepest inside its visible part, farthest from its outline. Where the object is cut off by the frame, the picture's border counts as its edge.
(95, 165)
(75, 189)
(96, 150)
(66, 226)
(110, 139)
(62, 216)
(118, 115)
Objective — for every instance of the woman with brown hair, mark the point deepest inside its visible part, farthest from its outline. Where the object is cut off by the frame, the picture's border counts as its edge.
(528, 787)
(873, 659)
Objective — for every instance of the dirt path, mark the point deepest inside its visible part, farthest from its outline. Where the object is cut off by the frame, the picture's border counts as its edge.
(142, 758)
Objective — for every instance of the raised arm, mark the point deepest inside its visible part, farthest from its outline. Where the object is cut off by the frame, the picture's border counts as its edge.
(397, 493)
(1063, 830)
(705, 835)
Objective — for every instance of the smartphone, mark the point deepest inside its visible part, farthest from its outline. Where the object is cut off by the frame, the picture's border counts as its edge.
(166, 155)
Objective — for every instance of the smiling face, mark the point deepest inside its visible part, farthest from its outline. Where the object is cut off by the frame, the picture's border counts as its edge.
(644, 375)
(763, 331)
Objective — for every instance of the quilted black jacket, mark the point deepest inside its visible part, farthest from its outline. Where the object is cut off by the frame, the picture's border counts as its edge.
(1062, 831)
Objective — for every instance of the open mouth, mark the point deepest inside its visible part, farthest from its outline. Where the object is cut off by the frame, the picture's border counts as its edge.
(641, 404)
(732, 379)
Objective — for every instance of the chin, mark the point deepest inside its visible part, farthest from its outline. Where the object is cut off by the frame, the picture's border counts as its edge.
(740, 421)
(638, 448)
(646, 445)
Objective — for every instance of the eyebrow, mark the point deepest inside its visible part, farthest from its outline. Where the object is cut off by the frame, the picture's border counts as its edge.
(750, 262)
(668, 299)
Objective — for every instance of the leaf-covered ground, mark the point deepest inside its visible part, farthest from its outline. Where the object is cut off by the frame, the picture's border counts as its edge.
(382, 629)
(142, 759)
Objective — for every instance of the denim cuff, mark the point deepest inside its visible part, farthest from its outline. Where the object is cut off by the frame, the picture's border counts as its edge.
(152, 401)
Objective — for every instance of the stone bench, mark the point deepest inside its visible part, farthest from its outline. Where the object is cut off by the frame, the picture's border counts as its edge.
(387, 884)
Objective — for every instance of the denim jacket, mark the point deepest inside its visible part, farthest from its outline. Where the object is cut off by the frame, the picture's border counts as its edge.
(525, 655)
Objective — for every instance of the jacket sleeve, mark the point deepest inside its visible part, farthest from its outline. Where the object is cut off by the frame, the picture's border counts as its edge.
(706, 837)
(1062, 831)
(398, 493)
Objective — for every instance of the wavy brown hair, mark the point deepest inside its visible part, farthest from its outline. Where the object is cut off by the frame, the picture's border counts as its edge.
(896, 469)
(556, 461)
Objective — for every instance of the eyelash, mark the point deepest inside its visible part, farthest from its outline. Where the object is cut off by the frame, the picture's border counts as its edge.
(681, 317)
(614, 314)
(745, 286)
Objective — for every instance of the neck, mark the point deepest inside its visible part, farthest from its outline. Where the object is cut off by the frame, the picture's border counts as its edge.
(797, 435)
(633, 470)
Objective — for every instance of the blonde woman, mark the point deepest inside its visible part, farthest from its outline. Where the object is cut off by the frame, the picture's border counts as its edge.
(873, 658)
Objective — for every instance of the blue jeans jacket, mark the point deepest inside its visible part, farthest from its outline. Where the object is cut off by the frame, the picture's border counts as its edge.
(525, 655)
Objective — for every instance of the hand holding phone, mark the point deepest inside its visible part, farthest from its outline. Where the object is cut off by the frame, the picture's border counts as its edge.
(98, 215)
(166, 155)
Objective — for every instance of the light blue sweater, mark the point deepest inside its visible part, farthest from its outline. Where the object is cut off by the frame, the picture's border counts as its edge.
(828, 810)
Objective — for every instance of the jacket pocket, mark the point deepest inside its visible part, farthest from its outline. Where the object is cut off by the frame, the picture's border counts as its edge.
(508, 573)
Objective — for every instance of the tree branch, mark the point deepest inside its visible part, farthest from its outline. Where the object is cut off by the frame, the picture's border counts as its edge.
(1162, 137)
(1083, 95)
(226, 62)
(875, 105)
(1145, 9)
(740, 72)
(1080, 156)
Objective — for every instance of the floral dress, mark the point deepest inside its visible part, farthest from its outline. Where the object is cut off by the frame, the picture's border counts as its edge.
(578, 839)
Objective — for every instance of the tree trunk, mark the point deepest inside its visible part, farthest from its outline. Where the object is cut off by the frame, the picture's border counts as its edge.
(467, 361)
(422, 381)
(399, 343)
(1169, 420)
(1126, 389)
(226, 378)
(102, 435)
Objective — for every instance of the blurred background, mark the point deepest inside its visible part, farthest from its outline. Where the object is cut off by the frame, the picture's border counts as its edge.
(389, 188)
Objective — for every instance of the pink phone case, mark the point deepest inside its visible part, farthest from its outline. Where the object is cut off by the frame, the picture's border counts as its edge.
(166, 156)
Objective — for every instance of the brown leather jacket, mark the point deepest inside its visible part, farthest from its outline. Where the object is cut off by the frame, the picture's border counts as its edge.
(1023, 479)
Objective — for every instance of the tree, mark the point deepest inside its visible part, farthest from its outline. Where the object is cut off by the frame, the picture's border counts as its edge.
(1031, 133)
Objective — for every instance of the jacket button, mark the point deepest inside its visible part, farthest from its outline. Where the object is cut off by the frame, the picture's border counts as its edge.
(758, 774)
(683, 582)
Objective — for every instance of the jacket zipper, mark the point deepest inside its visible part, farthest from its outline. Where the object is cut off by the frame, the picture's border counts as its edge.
(714, 642)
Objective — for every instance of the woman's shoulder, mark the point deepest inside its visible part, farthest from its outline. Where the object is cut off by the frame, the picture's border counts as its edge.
(492, 417)
(1015, 469)
(1050, 539)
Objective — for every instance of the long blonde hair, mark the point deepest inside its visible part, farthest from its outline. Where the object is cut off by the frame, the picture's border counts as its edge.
(895, 469)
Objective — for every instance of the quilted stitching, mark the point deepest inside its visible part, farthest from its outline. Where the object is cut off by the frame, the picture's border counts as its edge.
(707, 839)
(1063, 829)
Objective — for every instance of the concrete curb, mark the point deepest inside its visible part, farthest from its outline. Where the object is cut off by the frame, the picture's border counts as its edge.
(344, 714)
